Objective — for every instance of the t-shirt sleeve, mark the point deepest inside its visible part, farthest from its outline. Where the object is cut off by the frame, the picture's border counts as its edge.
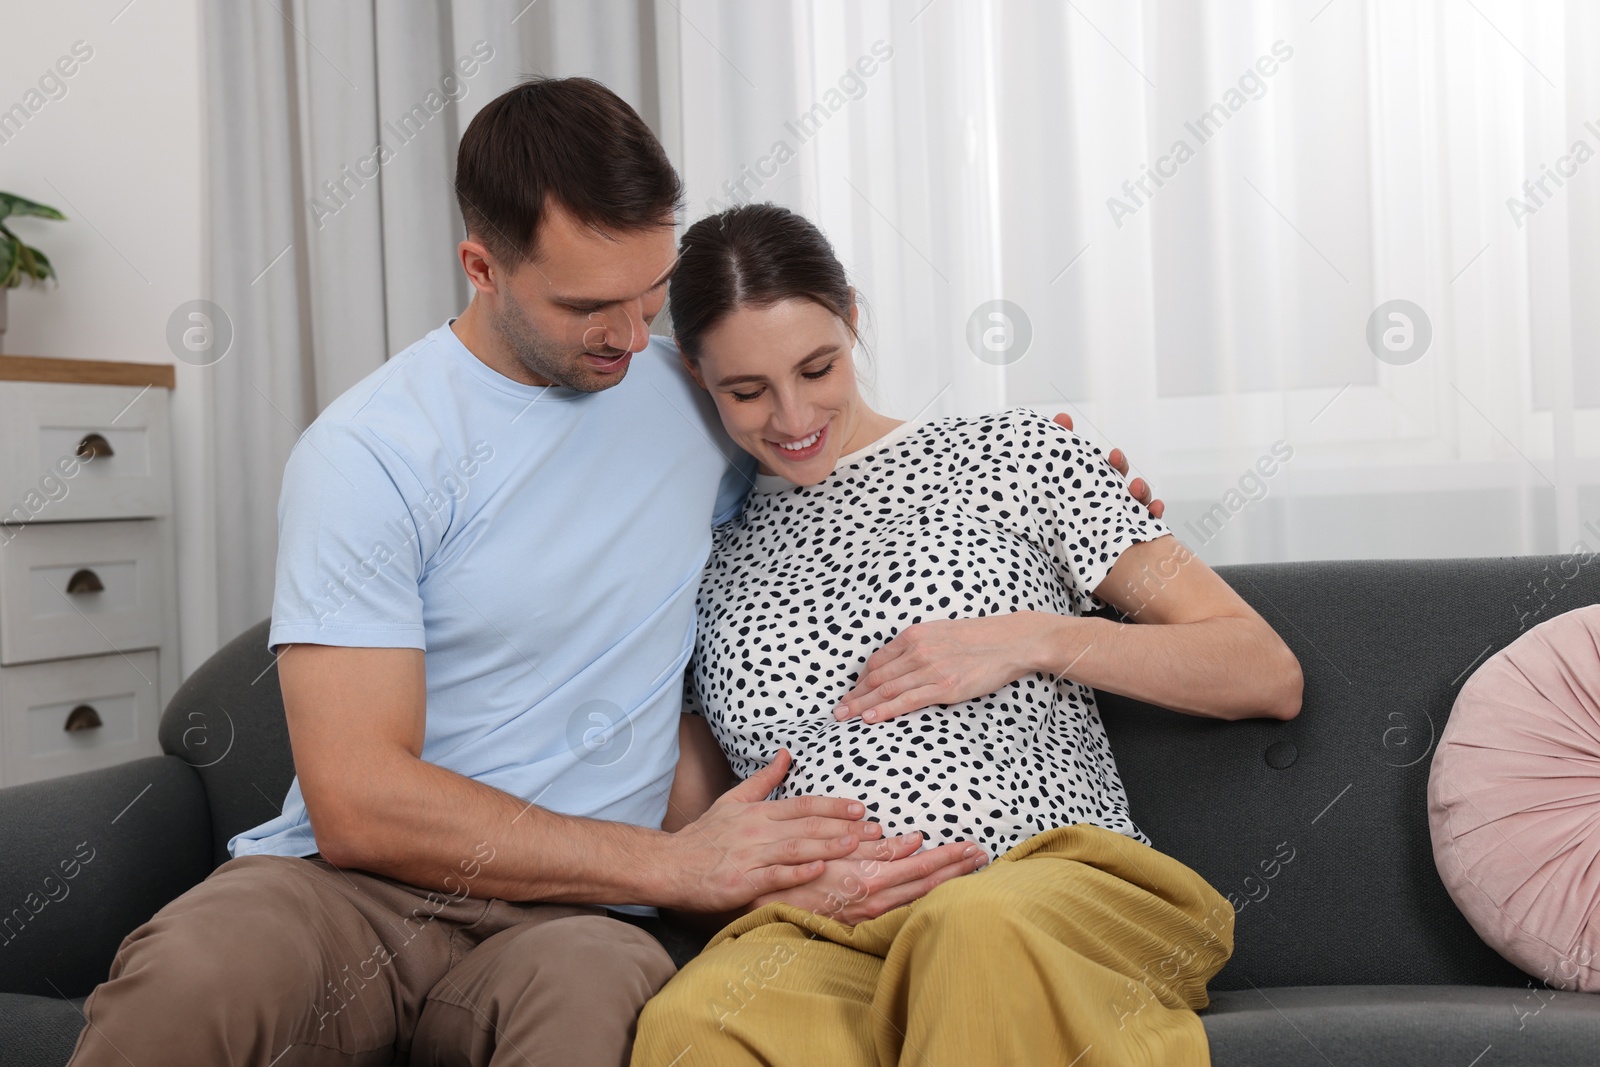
(736, 482)
(354, 527)
(1073, 503)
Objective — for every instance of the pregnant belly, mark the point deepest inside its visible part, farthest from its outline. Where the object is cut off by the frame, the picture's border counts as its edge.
(973, 773)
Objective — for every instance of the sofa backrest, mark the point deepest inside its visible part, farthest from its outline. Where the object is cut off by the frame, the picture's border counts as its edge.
(1318, 826)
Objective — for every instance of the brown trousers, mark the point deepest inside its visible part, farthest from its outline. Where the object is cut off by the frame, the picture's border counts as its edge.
(292, 961)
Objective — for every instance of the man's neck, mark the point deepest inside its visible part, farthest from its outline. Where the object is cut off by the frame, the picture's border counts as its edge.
(472, 329)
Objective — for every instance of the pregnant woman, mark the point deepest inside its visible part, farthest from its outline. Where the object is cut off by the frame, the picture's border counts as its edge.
(898, 615)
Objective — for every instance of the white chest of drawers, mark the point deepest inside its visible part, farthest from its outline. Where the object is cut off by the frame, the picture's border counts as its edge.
(88, 622)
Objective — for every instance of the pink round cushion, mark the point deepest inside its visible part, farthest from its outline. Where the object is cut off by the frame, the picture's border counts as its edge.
(1514, 801)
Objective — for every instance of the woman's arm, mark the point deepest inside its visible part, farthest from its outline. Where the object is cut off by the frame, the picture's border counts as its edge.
(702, 775)
(1194, 646)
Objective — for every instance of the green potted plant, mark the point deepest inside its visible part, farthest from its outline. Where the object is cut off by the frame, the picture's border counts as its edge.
(18, 262)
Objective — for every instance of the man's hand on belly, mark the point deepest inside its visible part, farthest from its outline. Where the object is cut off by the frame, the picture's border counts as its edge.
(745, 846)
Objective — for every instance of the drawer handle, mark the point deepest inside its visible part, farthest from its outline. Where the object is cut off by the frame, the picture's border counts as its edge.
(93, 446)
(83, 717)
(85, 581)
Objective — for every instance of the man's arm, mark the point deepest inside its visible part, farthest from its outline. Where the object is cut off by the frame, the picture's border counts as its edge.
(356, 721)
(701, 776)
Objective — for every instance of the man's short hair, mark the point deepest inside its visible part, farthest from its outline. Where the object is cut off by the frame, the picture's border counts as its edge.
(570, 140)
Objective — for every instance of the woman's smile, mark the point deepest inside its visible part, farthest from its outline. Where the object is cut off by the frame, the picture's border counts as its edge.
(798, 451)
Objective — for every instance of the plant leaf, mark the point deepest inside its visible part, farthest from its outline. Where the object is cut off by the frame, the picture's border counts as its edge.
(11, 204)
(31, 265)
(41, 265)
(10, 256)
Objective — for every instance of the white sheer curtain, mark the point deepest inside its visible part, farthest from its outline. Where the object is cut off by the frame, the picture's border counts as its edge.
(1356, 153)
(1340, 155)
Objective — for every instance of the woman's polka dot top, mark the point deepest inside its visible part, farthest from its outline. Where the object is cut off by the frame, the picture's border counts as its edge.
(954, 518)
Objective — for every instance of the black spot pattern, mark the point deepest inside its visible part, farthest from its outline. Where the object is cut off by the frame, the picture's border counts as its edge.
(956, 518)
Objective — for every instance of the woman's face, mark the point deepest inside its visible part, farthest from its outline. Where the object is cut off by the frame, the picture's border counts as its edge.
(784, 383)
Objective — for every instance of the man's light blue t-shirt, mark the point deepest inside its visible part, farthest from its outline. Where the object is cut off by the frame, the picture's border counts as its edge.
(542, 545)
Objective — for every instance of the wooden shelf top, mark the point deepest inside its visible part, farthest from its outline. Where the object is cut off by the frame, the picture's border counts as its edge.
(85, 371)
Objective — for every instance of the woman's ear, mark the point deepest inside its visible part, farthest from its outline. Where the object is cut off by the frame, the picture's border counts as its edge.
(688, 365)
(855, 310)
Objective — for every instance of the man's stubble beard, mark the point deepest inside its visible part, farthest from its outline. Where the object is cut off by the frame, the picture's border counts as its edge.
(543, 359)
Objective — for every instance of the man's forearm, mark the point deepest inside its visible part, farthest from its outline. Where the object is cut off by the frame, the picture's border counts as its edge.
(431, 827)
(1226, 667)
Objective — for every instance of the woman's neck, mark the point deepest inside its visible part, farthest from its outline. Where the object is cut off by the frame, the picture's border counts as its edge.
(869, 428)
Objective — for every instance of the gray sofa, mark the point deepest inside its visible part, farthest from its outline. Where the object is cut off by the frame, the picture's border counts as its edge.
(1348, 949)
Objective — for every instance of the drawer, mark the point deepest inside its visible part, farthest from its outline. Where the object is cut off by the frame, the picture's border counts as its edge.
(112, 698)
(83, 452)
(81, 589)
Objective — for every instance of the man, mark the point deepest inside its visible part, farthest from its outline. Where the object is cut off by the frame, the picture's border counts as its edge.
(488, 559)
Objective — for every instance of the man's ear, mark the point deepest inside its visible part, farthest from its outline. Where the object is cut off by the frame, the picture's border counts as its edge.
(688, 365)
(481, 270)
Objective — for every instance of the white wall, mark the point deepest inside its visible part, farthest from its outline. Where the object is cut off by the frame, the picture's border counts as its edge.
(120, 154)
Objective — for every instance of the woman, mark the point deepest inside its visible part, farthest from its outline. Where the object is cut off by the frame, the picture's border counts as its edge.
(898, 609)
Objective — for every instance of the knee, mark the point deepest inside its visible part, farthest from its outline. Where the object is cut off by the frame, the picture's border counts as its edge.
(196, 944)
(966, 916)
(239, 913)
(595, 956)
(667, 1026)
(698, 1009)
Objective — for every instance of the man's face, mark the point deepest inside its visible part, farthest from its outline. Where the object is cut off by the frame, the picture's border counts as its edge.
(575, 315)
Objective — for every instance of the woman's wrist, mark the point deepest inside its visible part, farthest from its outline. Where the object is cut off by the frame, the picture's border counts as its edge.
(1058, 642)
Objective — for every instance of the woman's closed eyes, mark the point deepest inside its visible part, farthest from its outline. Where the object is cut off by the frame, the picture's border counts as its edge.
(810, 375)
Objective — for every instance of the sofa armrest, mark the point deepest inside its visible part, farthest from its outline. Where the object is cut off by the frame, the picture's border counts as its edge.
(88, 858)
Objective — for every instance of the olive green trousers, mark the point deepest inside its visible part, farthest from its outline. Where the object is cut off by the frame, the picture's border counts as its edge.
(1079, 946)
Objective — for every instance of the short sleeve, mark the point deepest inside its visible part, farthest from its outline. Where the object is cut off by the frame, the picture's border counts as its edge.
(354, 529)
(736, 482)
(1073, 503)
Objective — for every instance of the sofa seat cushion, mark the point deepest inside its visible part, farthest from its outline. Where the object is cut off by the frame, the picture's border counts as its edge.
(1514, 801)
(1409, 1025)
(38, 1031)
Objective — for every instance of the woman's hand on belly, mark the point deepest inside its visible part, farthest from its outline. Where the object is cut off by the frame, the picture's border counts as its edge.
(943, 661)
(880, 876)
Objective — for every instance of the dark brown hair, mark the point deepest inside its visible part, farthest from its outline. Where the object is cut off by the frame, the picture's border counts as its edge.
(569, 139)
(755, 255)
